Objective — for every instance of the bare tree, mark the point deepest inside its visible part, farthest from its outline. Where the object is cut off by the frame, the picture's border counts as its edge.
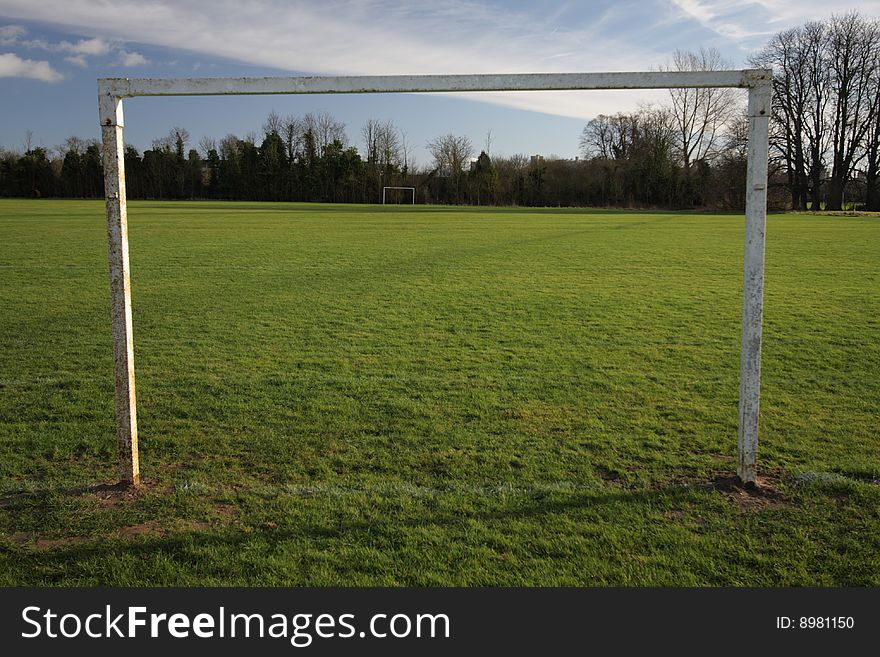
(383, 144)
(381, 152)
(229, 147)
(163, 143)
(73, 144)
(609, 137)
(451, 153)
(801, 94)
(872, 150)
(292, 129)
(325, 130)
(825, 104)
(385, 153)
(174, 141)
(700, 115)
(76, 144)
(518, 162)
(273, 123)
(181, 137)
(815, 130)
(406, 152)
(736, 145)
(371, 147)
(853, 45)
(207, 144)
(389, 146)
(595, 140)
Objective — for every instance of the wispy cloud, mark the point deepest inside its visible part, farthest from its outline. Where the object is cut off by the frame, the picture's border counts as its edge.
(10, 34)
(426, 36)
(77, 60)
(744, 22)
(737, 21)
(127, 58)
(13, 66)
(803, 10)
(94, 47)
(370, 37)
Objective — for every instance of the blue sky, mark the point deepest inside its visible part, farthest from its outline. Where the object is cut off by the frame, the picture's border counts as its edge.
(52, 51)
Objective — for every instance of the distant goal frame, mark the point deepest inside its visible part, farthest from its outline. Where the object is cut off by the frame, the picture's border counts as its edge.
(387, 187)
(112, 91)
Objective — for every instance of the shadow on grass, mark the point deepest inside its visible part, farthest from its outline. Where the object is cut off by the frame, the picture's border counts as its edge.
(118, 492)
(54, 565)
(12, 499)
(295, 208)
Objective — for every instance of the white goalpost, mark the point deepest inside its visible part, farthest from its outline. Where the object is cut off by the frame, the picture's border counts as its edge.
(112, 91)
(412, 189)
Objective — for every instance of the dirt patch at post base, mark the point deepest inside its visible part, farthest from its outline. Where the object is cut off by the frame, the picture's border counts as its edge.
(763, 494)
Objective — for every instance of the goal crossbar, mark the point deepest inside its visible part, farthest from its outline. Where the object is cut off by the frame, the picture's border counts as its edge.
(360, 84)
(112, 91)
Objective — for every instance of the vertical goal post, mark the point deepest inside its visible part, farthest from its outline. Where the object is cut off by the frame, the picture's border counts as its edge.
(412, 189)
(112, 91)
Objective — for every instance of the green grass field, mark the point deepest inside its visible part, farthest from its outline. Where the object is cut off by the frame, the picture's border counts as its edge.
(348, 395)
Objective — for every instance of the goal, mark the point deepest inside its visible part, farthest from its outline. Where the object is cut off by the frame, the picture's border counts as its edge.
(111, 92)
(412, 189)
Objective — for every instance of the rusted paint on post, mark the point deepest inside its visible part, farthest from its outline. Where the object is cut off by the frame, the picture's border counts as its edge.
(760, 98)
(110, 110)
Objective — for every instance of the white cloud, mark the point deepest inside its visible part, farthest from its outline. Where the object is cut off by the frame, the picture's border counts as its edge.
(425, 36)
(127, 58)
(13, 66)
(77, 60)
(747, 21)
(93, 47)
(368, 37)
(732, 19)
(36, 44)
(10, 34)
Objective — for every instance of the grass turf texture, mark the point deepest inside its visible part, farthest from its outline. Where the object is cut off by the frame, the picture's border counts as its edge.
(348, 395)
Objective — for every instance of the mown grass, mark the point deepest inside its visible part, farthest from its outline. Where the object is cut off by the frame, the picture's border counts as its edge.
(349, 395)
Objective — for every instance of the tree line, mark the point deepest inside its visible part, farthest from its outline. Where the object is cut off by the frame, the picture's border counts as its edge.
(309, 159)
(687, 152)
